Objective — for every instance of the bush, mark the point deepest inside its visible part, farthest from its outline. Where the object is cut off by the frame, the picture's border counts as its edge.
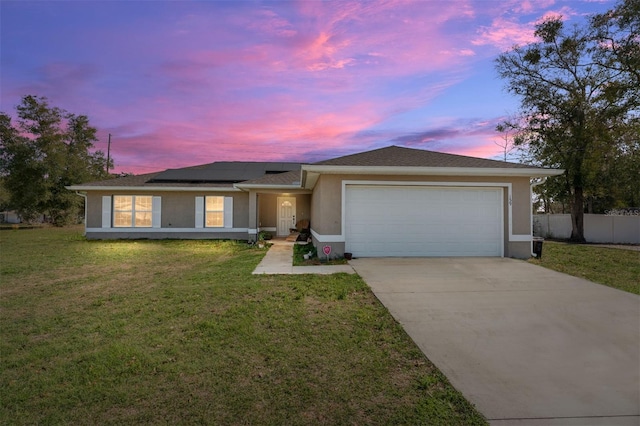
(264, 235)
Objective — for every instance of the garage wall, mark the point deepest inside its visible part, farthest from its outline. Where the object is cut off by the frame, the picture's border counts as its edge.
(519, 249)
(327, 198)
(326, 204)
(521, 207)
(315, 207)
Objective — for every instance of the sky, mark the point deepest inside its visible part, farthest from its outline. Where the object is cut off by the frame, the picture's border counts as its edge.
(180, 83)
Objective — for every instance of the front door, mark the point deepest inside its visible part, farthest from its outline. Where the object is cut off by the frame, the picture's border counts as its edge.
(286, 215)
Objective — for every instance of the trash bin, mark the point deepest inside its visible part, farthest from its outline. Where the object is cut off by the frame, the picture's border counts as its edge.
(537, 247)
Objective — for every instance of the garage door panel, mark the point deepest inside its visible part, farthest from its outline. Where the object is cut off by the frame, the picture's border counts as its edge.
(423, 221)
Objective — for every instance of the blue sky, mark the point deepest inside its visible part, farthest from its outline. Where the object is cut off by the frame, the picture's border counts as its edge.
(179, 83)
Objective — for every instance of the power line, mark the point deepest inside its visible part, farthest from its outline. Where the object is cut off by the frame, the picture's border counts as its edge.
(108, 153)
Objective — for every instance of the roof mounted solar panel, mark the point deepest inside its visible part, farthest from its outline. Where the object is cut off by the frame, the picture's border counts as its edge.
(224, 172)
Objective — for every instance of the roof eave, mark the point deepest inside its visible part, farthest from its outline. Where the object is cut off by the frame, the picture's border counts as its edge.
(434, 171)
(152, 188)
(273, 188)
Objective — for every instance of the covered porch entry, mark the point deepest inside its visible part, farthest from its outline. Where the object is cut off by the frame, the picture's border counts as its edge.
(278, 213)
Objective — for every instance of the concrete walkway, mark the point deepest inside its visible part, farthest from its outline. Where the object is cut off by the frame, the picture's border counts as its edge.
(525, 344)
(279, 260)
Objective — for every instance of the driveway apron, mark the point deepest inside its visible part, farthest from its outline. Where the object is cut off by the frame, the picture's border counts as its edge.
(526, 345)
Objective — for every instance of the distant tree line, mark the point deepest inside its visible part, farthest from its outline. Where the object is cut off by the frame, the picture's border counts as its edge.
(579, 91)
(46, 149)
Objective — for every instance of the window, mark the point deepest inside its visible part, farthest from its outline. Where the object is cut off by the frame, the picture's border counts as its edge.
(132, 211)
(214, 212)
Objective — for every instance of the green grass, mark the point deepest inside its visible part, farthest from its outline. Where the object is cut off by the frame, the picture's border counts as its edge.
(8, 226)
(166, 332)
(612, 267)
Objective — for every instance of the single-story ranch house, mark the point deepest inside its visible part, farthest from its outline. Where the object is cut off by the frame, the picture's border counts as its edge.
(391, 201)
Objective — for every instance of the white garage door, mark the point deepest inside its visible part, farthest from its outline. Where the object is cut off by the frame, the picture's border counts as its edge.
(423, 221)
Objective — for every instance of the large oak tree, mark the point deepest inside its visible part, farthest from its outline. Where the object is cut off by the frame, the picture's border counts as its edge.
(46, 150)
(579, 92)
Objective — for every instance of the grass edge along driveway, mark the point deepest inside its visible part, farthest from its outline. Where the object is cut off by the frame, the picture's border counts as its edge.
(617, 268)
(115, 332)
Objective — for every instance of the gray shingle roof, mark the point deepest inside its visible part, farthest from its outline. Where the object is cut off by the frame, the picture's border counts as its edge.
(224, 172)
(288, 178)
(146, 181)
(395, 156)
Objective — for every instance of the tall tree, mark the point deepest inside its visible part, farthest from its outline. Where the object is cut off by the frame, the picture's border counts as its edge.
(578, 99)
(47, 150)
(618, 35)
(618, 48)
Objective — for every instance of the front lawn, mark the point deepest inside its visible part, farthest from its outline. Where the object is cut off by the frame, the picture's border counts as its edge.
(168, 332)
(615, 268)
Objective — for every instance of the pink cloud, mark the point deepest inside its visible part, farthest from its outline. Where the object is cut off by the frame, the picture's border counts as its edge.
(507, 30)
(528, 6)
(338, 35)
(309, 61)
(505, 33)
(456, 136)
(206, 81)
(267, 133)
(564, 14)
(269, 22)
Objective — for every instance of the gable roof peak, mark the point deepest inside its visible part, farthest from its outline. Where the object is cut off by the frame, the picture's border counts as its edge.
(397, 156)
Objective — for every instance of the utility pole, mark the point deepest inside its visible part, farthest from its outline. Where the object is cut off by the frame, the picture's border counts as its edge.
(108, 153)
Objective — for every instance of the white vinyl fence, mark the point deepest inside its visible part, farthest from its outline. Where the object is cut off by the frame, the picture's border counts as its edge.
(598, 228)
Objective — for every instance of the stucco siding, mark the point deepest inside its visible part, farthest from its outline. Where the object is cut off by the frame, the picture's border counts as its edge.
(337, 248)
(505, 215)
(240, 209)
(326, 206)
(94, 209)
(316, 207)
(323, 208)
(178, 210)
(303, 207)
(326, 214)
(267, 210)
(518, 249)
(166, 235)
(521, 206)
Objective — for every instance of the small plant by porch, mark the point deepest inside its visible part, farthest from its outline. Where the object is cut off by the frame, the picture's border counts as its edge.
(299, 250)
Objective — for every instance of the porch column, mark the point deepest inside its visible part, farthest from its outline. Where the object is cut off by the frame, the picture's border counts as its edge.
(253, 215)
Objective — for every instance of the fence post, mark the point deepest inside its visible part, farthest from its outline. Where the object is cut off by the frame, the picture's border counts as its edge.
(613, 229)
(548, 233)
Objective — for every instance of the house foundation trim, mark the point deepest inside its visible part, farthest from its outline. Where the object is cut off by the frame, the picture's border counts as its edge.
(176, 230)
(328, 238)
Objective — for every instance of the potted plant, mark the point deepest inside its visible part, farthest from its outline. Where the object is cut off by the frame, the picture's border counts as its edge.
(264, 236)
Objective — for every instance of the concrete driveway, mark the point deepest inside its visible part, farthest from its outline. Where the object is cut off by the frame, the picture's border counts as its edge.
(526, 345)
